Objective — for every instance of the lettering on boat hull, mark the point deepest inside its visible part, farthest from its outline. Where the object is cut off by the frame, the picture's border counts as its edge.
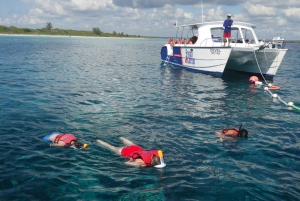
(189, 57)
(215, 51)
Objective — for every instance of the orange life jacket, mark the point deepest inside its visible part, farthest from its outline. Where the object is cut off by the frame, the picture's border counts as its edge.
(66, 138)
(146, 156)
(224, 131)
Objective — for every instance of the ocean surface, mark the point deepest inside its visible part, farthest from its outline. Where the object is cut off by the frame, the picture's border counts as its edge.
(112, 87)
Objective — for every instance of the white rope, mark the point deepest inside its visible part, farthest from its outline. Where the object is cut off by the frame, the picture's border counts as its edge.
(274, 59)
(259, 68)
(282, 101)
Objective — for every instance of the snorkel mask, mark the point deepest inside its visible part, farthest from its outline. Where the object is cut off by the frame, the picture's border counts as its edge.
(162, 162)
(80, 146)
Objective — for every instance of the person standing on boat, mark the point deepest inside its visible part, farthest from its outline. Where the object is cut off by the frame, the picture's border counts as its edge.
(227, 31)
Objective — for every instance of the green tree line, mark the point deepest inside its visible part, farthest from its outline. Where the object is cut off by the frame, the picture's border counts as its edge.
(49, 30)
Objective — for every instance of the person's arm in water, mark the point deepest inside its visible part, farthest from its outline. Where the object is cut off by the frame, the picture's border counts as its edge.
(137, 162)
(59, 144)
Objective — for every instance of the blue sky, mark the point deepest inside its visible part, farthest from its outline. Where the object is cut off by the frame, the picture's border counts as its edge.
(151, 17)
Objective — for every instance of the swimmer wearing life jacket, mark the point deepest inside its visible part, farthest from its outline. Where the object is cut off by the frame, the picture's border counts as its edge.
(61, 140)
(137, 155)
(232, 132)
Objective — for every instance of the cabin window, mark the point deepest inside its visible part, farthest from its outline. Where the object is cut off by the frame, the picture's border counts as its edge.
(248, 36)
(236, 36)
(217, 34)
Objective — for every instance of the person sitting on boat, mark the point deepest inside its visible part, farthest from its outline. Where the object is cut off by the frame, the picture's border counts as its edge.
(171, 42)
(137, 155)
(182, 41)
(61, 140)
(190, 41)
(177, 42)
(194, 39)
(229, 133)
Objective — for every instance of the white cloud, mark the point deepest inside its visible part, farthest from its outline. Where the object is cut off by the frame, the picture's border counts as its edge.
(259, 10)
(292, 13)
(5, 22)
(215, 14)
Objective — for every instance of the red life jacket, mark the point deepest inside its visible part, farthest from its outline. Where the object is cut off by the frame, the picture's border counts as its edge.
(66, 138)
(146, 156)
(224, 131)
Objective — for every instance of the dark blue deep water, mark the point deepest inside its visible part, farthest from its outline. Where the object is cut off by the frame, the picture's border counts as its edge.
(117, 87)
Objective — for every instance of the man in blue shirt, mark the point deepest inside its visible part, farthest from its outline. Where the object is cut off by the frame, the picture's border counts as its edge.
(227, 31)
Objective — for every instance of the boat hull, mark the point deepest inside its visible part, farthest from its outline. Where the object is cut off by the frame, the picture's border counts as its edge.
(210, 60)
(251, 61)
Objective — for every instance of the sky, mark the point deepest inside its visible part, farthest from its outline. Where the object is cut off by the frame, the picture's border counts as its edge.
(152, 17)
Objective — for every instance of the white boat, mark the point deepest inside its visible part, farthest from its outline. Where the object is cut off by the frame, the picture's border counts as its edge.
(208, 55)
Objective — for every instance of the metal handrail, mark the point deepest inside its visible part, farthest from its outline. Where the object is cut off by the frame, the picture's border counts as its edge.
(221, 40)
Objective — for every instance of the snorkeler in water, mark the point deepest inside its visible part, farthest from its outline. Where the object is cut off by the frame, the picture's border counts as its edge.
(230, 133)
(61, 140)
(137, 155)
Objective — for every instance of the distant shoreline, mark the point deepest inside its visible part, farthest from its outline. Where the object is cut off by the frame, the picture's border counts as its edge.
(101, 37)
(66, 36)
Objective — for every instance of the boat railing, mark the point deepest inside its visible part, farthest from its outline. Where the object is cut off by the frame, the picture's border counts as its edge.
(218, 41)
(276, 44)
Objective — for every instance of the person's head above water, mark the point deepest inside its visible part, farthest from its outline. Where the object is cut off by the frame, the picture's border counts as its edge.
(155, 160)
(78, 145)
(243, 133)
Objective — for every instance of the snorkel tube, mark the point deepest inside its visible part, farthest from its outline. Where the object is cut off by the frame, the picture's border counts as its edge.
(84, 146)
(239, 132)
(162, 162)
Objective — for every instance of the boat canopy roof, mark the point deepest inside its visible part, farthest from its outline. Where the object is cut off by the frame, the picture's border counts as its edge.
(217, 24)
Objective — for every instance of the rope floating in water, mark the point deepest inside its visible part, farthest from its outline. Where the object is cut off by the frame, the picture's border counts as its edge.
(270, 87)
(290, 104)
(295, 107)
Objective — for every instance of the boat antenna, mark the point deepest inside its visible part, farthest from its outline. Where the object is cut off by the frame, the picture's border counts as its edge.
(202, 11)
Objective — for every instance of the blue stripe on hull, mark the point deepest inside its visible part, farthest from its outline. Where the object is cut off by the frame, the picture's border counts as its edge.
(193, 69)
(172, 59)
(252, 74)
(177, 61)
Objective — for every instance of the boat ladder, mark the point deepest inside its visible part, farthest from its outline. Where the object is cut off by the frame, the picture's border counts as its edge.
(167, 60)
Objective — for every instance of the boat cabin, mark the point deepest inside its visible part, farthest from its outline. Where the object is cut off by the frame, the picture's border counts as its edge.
(211, 34)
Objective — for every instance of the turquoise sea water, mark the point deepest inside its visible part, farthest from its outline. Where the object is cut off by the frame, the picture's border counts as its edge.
(117, 87)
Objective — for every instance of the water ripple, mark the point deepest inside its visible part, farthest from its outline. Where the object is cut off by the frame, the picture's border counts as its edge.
(116, 87)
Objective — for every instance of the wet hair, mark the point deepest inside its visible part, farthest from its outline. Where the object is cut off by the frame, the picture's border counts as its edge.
(243, 133)
(77, 144)
(155, 161)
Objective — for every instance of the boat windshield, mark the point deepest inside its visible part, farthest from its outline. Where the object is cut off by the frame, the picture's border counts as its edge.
(248, 36)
